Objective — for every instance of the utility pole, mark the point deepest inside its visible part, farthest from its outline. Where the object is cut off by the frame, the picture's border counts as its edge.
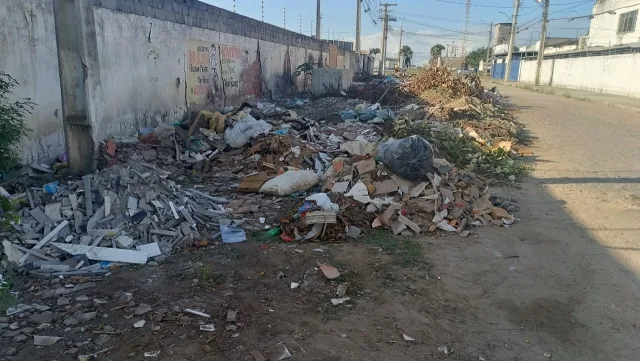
(486, 62)
(358, 23)
(318, 20)
(385, 32)
(512, 38)
(399, 49)
(543, 38)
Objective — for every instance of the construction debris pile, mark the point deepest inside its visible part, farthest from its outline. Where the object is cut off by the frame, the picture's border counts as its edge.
(260, 168)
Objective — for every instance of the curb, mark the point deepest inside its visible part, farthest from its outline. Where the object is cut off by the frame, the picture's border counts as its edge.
(607, 103)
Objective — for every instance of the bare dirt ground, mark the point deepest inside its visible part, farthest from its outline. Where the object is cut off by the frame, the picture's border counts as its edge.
(562, 282)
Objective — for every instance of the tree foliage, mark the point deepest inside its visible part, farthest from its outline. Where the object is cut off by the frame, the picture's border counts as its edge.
(406, 51)
(12, 123)
(374, 51)
(473, 58)
(436, 50)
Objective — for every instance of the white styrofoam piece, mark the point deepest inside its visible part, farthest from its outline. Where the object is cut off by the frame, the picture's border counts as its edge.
(151, 249)
(104, 253)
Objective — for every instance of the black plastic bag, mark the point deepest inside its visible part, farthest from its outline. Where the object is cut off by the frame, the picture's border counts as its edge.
(410, 158)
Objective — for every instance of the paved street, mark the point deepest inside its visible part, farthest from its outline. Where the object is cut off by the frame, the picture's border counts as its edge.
(565, 281)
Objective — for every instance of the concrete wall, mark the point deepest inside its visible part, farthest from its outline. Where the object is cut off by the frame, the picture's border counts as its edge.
(153, 70)
(607, 74)
(157, 61)
(603, 30)
(28, 43)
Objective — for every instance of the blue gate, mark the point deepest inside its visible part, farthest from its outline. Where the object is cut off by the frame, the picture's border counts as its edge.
(498, 69)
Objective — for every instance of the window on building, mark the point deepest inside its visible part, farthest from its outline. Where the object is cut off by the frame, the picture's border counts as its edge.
(627, 22)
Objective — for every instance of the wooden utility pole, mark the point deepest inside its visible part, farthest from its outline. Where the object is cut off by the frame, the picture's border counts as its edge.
(399, 50)
(543, 38)
(358, 23)
(318, 20)
(486, 62)
(512, 38)
(385, 33)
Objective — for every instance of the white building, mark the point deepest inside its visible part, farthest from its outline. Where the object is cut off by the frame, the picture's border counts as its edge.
(614, 22)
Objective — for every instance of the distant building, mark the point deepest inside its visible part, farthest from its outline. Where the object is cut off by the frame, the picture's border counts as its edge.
(501, 33)
(616, 25)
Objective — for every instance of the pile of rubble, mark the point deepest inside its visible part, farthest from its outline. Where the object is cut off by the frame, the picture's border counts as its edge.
(261, 168)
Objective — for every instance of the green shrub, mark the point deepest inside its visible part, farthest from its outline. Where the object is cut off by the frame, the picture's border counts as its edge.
(12, 123)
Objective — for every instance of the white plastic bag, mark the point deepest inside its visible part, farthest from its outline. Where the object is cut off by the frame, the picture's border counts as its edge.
(323, 201)
(245, 129)
(290, 182)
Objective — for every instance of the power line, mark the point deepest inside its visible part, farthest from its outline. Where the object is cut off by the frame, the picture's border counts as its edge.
(486, 6)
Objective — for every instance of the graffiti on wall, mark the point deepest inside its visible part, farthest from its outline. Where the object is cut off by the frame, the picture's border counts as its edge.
(217, 72)
(333, 56)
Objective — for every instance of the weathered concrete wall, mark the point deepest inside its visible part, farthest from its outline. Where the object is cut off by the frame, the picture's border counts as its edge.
(28, 43)
(607, 74)
(330, 81)
(155, 61)
(158, 64)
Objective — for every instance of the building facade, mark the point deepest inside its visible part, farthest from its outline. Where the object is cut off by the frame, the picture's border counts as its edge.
(614, 23)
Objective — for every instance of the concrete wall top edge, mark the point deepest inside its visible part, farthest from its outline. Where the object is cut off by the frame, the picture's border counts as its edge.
(199, 14)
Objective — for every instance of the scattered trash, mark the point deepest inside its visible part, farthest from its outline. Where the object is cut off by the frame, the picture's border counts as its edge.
(445, 350)
(341, 292)
(139, 324)
(339, 301)
(278, 352)
(294, 285)
(547, 355)
(407, 338)
(232, 234)
(197, 313)
(329, 272)
(208, 328)
(152, 353)
(45, 340)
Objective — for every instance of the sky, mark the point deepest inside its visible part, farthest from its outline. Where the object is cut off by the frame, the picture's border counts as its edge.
(424, 22)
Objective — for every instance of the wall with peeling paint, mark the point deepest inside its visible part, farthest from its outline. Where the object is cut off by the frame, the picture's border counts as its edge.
(159, 61)
(28, 43)
(155, 71)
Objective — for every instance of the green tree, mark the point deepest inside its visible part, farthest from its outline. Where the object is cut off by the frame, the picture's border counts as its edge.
(473, 58)
(436, 50)
(374, 51)
(406, 52)
(12, 123)
(306, 69)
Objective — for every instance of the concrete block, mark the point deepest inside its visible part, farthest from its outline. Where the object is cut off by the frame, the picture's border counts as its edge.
(109, 4)
(193, 12)
(168, 5)
(188, 20)
(124, 6)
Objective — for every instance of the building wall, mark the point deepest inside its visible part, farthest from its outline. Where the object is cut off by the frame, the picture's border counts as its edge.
(159, 60)
(603, 30)
(607, 74)
(28, 43)
(501, 33)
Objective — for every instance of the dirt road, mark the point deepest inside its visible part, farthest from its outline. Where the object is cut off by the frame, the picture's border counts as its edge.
(573, 289)
(562, 283)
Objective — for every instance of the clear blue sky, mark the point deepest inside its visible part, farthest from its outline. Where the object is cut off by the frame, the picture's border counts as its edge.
(426, 22)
